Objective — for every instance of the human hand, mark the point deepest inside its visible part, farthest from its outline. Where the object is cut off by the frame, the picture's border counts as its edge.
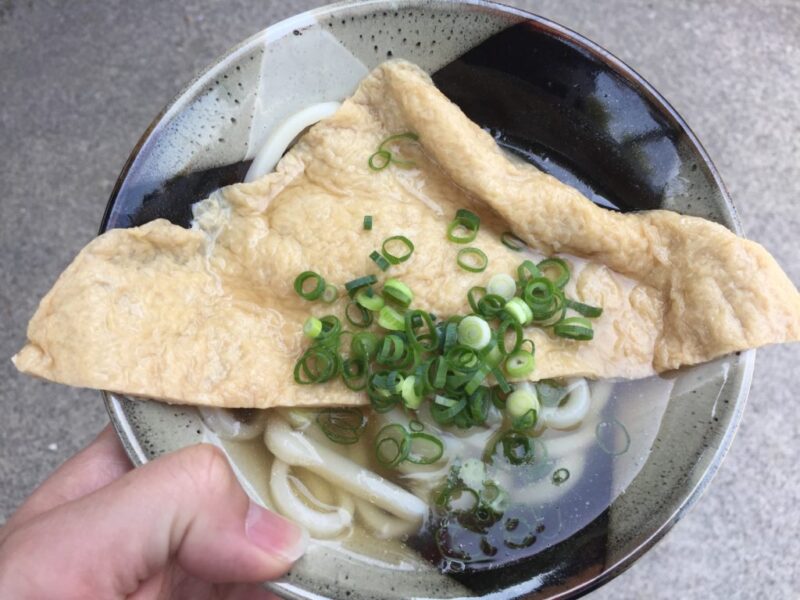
(178, 527)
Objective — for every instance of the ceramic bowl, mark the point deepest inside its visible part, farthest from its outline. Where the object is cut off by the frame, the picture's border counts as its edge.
(546, 94)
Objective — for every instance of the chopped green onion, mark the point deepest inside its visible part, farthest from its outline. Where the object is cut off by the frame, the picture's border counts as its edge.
(558, 269)
(477, 379)
(368, 222)
(411, 399)
(527, 270)
(560, 476)
(415, 426)
(342, 425)
(312, 327)
(362, 318)
(574, 328)
(479, 405)
(378, 259)
(392, 445)
(317, 365)
(356, 284)
(369, 299)
(355, 372)
(301, 289)
(519, 364)
(493, 357)
(520, 401)
(389, 318)
(511, 241)
(398, 291)
(584, 309)
(380, 160)
(518, 310)
(472, 259)
(467, 221)
(502, 285)
(331, 327)
(424, 449)
(408, 135)
(517, 448)
(397, 258)
(474, 332)
(364, 345)
(501, 336)
(415, 319)
(330, 294)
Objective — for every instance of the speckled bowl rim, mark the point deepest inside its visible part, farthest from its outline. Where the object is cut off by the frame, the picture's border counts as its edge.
(746, 363)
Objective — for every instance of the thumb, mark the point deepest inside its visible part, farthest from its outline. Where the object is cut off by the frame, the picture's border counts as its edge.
(186, 507)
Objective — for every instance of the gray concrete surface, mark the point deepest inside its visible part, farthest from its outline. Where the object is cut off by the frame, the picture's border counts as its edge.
(81, 80)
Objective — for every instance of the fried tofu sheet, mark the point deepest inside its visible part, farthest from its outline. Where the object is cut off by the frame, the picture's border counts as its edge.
(209, 316)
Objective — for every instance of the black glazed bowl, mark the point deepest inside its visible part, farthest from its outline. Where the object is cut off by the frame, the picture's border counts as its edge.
(547, 94)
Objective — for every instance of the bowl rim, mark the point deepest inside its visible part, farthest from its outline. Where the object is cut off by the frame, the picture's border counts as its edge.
(745, 365)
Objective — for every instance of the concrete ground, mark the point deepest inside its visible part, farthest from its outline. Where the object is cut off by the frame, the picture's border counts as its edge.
(81, 80)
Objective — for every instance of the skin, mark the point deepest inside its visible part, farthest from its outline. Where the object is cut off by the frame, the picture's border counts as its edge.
(178, 527)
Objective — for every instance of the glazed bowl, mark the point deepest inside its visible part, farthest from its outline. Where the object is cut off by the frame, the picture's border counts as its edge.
(547, 95)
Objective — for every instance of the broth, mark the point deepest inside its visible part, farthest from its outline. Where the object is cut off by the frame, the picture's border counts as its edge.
(574, 476)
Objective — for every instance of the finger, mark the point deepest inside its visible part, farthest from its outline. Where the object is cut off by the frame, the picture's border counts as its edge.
(97, 465)
(186, 505)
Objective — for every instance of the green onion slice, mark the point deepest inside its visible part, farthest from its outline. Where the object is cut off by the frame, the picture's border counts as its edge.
(303, 291)
(408, 391)
(342, 425)
(560, 476)
(503, 285)
(520, 402)
(379, 160)
(368, 222)
(364, 345)
(518, 311)
(464, 228)
(369, 299)
(393, 241)
(408, 135)
(555, 269)
(392, 445)
(379, 260)
(586, 310)
(362, 317)
(526, 270)
(312, 327)
(511, 241)
(517, 448)
(574, 328)
(354, 285)
(398, 291)
(474, 332)
(355, 372)
(472, 259)
(519, 364)
(424, 449)
(389, 318)
(416, 319)
(330, 294)
(318, 364)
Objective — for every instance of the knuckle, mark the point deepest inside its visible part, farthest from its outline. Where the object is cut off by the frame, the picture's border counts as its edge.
(207, 468)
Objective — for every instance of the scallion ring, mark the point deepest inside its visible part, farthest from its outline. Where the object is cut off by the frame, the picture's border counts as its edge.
(472, 259)
(574, 328)
(585, 310)
(519, 364)
(362, 317)
(389, 318)
(303, 291)
(392, 445)
(354, 285)
(555, 269)
(512, 242)
(379, 260)
(398, 291)
(342, 425)
(330, 294)
(392, 257)
(424, 449)
(379, 160)
(369, 299)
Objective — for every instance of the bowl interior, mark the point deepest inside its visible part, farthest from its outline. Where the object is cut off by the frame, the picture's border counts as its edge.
(546, 94)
